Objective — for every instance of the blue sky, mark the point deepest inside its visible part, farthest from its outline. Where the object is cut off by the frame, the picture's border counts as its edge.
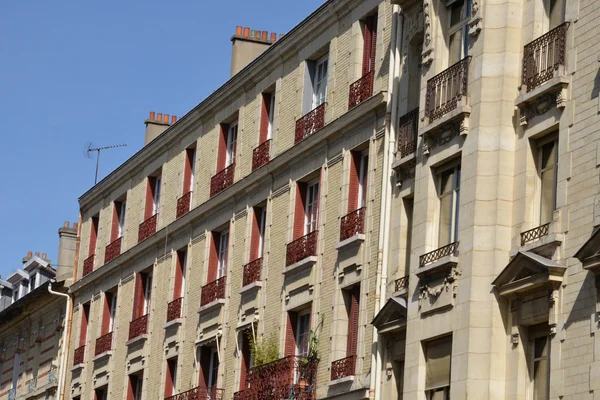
(75, 72)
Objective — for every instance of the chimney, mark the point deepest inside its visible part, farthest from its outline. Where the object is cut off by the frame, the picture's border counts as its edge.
(247, 45)
(28, 257)
(67, 240)
(156, 124)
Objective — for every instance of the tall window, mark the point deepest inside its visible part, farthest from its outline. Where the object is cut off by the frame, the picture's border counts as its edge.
(118, 222)
(171, 378)
(302, 333)
(223, 246)
(369, 43)
(180, 271)
(109, 313)
(231, 143)
(156, 199)
(16, 371)
(93, 235)
(147, 293)
(547, 171)
(267, 117)
(261, 232)
(209, 366)
(32, 279)
(83, 329)
(188, 170)
(556, 12)
(539, 366)
(449, 195)
(320, 82)
(101, 393)
(352, 302)
(112, 312)
(311, 208)
(246, 361)
(458, 33)
(135, 387)
(438, 355)
(271, 116)
(213, 372)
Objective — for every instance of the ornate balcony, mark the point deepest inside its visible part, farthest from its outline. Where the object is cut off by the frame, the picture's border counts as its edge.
(222, 180)
(446, 89)
(361, 90)
(183, 204)
(199, 393)
(352, 224)
(174, 309)
(544, 56)
(252, 271)
(401, 283)
(147, 228)
(88, 265)
(103, 344)
(138, 327)
(535, 233)
(448, 250)
(310, 123)
(261, 155)
(213, 291)
(301, 248)
(290, 377)
(112, 251)
(407, 133)
(79, 355)
(343, 368)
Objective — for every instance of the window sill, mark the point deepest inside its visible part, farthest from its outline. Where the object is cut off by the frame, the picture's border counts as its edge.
(212, 304)
(543, 98)
(310, 261)
(102, 356)
(250, 286)
(135, 340)
(175, 322)
(356, 239)
(77, 367)
(346, 379)
(459, 115)
(399, 162)
(441, 265)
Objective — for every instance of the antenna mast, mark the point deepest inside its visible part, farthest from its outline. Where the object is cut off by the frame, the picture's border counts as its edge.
(97, 150)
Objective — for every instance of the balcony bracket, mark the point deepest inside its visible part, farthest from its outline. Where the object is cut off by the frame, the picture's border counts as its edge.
(446, 128)
(542, 99)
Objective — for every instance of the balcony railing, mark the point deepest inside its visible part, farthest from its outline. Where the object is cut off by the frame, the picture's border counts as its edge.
(261, 155)
(222, 180)
(12, 394)
(147, 228)
(290, 377)
(174, 309)
(213, 291)
(302, 248)
(446, 89)
(428, 258)
(88, 265)
(138, 327)
(310, 123)
(343, 368)
(361, 90)
(543, 56)
(183, 204)
(535, 233)
(79, 355)
(112, 251)
(199, 393)
(407, 133)
(401, 283)
(103, 344)
(252, 271)
(352, 224)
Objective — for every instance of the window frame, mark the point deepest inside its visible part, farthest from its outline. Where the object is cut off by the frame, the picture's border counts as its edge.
(461, 26)
(213, 371)
(222, 254)
(539, 188)
(231, 144)
(156, 197)
(454, 193)
(147, 293)
(320, 83)
(302, 316)
(311, 208)
(363, 176)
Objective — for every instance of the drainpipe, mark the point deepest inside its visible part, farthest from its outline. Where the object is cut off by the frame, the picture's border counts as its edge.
(65, 342)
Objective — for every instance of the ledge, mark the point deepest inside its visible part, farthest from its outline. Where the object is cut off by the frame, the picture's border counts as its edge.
(545, 242)
(311, 260)
(461, 111)
(175, 322)
(211, 305)
(441, 265)
(399, 162)
(77, 367)
(40, 390)
(137, 339)
(356, 239)
(546, 87)
(346, 379)
(102, 356)
(251, 286)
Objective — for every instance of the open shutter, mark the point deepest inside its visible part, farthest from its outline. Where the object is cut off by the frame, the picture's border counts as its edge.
(106, 313)
(222, 150)
(353, 322)
(150, 184)
(299, 210)
(255, 238)
(138, 299)
(93, 236)
(264, 117)
(245, 364)
(290, 332)
(114, 230)
(353, 184)
(369, 44)
(131, 384)
(213, 256)
(373, 43)
(180, 264)
(187, 172)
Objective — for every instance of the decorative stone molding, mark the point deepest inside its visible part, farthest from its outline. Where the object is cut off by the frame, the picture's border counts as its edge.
(542, 105)
(475, 23)
(448, 284)
(427, 55)
(406, 171)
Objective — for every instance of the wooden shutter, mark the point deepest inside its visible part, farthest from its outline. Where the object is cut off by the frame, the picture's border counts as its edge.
(290, 333)
(353, 184)
(353, 321)
(245, 361)
(369, 44)
(150, 184)
(93, 236)
(255, 238)
(179, 266)
(264, 117)
(85, 315)
(114, 232)
(187, 169)
(204, 366)
(222, 149)
(138, 296)
(299, 210)
(213, 256)
(106, 313)
(131, 386)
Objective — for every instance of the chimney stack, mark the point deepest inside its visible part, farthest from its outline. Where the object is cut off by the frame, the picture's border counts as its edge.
(67, 242)
(248, 44)
(156, 124)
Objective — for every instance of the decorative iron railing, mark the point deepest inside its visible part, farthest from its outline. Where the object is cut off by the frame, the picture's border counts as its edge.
(147, 228)
(222, 180)
(427, 258)
(252, 271)
(292, 377)
(213, 291)
(407, 133)
(12, 394)
(199, 393)
(183, 204)
(174, 309)
(310, 123)
(103, 344)
(543, 56)
(88, 265)
(361, 90)
(79, 355)
(401, 283)
(352, 224)
(138, 327)
(301, 248)
(261, 155)
(446, 89)
(535, 233)
(343, 368)
(112, 251)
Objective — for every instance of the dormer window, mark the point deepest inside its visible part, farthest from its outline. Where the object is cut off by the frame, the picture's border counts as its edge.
(32, 280)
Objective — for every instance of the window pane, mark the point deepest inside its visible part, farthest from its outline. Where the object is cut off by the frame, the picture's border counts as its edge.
(547, 196)
(445, 219)
(446, 181)
(541, 347)
(438, 359)
(540, 380)
(557, 13)
(456, 12)
(454, 44)
(548, 155)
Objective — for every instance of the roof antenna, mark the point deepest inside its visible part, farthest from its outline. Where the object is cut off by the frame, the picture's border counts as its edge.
(98, 150)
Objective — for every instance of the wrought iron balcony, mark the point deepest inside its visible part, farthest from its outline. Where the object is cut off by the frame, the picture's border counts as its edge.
(432, 256)
(301, 248)
(361, 90)
(290, 377)
(213, 291)
(310, 123)
(352, 224)
(544, 56)
(401, 283)
(88, 265)
(261, 155)
(174, 309)
(222, 180)
(252, 271)
(407, 133)
(138, 327)
(200, 393)
(112, 251)
(446, 89)
(103, 344)
(147, 228)
(343, 368)
(183, 204)
(79, 355)
(535, 233)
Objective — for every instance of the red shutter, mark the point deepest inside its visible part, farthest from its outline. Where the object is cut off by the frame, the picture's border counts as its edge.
(187, 170)
(222, 150)
(180, 264)
(366, 46)
(85, 314)
(264, 117)
(245, 364)
(213, 257)
(106, 313)
(290, 332)
(93, 236)
(204, 366)
(255, 238)
(373, 51)
(138, 296)
(169, 378)
(354, 181)
(151, 182)
(130, 388)
(299, 210)
(114, 232)
(353, 321)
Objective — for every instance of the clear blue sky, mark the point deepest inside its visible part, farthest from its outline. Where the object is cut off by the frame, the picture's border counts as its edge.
(74, 72)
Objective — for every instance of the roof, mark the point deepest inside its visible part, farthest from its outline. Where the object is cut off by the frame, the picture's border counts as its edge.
(526, 264)
(591, 247)
(37, 263)
(391, 316)
(17, 308)
(5, 284)
(17, 276)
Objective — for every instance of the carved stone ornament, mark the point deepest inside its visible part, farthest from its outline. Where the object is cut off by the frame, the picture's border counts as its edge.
(452, 130)
(406, 171)
(427, 55)
(449, 283)
(543, 104)
(475, 23)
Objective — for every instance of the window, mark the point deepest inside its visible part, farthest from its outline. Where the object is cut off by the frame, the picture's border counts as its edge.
(458, 33)
(320, 82)
(109, 313)
(267, 117)
(171, 378)
(556, 13)
(16, 370)
(302, 333)
(311, 208)
(152, 196)
(93, 235)
(352, 302)
(156, 200)
(147, 293)
(135, 387)
(118, 227)
(369, 44)
(223, 246)
(209, 366)
(231, 144)
(32, 279)
(213, 372)
(188, 170)
(547, 171)
(271, 116)
(357, 190)
(180, 269)
(112, 312)
(438, 358)
(449, 195)
(539, 366)
(83, 330)
(246, 361)
(101, 394)
(261, 232)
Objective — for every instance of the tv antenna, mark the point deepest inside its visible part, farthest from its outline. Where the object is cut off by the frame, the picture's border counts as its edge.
(98, 150)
